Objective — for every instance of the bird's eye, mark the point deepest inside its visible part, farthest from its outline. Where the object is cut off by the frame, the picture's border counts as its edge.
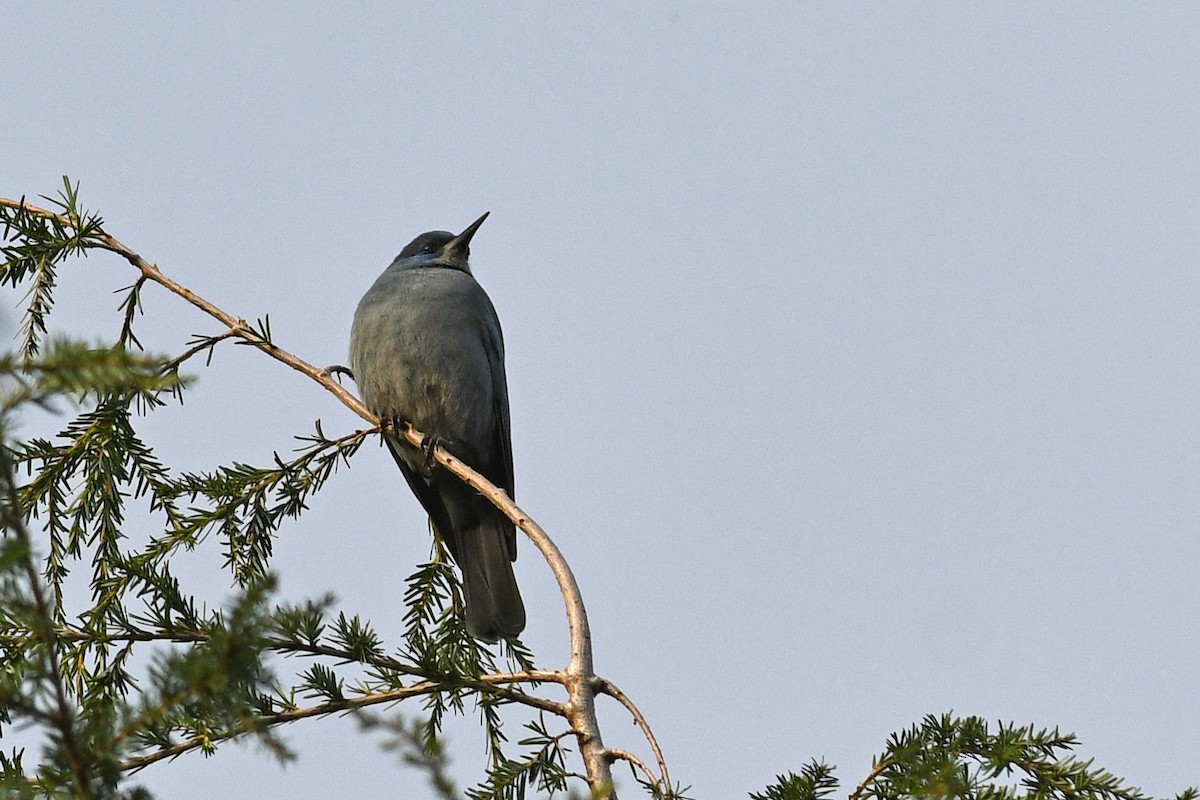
(430, 247)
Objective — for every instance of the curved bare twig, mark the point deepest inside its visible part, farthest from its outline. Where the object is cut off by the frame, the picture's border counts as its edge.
(605, 686)
(635, 762)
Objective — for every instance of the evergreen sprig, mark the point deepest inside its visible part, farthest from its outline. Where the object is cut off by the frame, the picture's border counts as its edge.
(247, 504)
(33, 247)
(814, 782)
(966, 757)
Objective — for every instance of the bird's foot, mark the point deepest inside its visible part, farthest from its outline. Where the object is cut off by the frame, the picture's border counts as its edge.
(429, 447)
(396, 425)
(393, 425)
(333, 370)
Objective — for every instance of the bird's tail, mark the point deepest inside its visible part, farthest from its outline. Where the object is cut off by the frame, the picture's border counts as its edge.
(494, 607)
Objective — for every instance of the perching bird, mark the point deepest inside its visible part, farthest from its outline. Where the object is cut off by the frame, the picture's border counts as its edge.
(426, 348)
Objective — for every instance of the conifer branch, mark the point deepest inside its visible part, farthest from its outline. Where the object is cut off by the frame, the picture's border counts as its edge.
(579, 676)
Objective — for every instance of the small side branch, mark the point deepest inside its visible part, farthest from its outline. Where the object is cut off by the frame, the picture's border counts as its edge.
(202, 343)
(874, 773)
(270, 720)
(131, 305)
(623, 755)
(607, 687)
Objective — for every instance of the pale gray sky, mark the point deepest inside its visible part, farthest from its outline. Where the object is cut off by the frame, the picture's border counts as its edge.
(852, 348)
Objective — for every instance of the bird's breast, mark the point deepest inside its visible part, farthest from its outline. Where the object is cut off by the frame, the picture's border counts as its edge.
(417, 353)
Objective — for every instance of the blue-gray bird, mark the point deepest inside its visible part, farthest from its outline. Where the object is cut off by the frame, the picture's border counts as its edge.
(426, 348)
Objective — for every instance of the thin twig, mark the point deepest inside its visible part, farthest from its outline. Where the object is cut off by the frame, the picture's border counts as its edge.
(132, 305)
(289, 646)
(624, 755)
(208, 343)
(270, 720)
(73, 635)
(875, 773)
(494, 683)
(605, 686)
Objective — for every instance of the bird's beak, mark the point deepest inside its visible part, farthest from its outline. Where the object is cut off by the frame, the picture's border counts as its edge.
(458, 247)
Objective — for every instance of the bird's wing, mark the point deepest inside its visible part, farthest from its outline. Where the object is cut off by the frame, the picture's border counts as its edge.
(430, 498)
(493, 341)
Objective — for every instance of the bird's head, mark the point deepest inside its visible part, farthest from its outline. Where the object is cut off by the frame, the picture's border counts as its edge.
(442, 248)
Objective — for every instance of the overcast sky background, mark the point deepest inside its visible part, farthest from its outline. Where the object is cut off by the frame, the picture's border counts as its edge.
(851, 348)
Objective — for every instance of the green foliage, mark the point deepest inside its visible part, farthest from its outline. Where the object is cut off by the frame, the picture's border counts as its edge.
(964, 757)
(34, 246)
(142, 670)
(814, 782)
(545, 768)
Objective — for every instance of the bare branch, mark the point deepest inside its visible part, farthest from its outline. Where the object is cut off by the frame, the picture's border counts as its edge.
(623, 755)
(204, 343)
(493, 683)
(270, 720)
(605, 686)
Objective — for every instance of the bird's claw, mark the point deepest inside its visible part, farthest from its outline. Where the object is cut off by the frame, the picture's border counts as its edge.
(392, 425)
(333, 370)
(429, 447)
